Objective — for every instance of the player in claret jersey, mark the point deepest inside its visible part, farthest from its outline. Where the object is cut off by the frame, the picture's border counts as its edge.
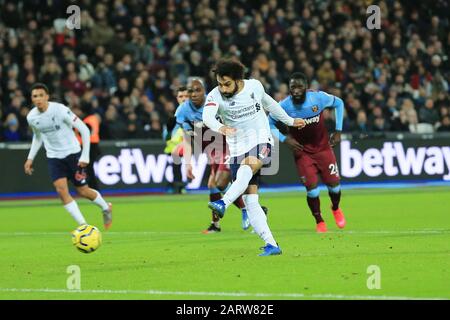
(312, 146)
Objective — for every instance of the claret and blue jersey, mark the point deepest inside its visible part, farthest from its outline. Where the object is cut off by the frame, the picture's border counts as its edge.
(314, 136)
(189, 116)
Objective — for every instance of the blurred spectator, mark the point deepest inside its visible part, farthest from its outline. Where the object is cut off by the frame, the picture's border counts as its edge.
(360, 126)
(408, 116)
(86, 69)
(114, 127)
(445, 126)
(427, 113)
(378, 122)
(129, 56)
(11, 128)
(326, 75)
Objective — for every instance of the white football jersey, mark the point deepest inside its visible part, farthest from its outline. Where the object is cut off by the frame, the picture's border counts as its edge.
(244, 111)
(56, 129)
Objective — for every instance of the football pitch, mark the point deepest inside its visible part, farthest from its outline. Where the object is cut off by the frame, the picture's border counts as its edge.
(396, 245)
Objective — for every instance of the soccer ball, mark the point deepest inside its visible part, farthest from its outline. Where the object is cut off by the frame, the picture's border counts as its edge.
(86, 238)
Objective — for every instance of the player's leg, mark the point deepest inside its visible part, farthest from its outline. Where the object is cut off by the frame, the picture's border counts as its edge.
(258, 219)
(93, 195)
(313, 200)
(96, 198)
(69, 203)
(176, 167)
(334, 191)
(243, 173)
(214, 195)
(307, 171)
(330, 176)
(59, 172)
(79, 180)
(223, 178)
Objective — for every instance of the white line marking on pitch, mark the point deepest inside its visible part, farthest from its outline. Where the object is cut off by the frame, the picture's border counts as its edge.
(114, 233)
(219, 294)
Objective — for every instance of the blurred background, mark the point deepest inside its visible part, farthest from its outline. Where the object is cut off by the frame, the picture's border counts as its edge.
(128, 58)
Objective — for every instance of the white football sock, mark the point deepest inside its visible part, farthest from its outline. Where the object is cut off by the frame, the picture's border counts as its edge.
(99, 201)
(243, 177)
(75, 212)
(258, 219)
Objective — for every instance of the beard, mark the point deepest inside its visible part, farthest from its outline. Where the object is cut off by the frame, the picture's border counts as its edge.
(299, 99)
(229, 95)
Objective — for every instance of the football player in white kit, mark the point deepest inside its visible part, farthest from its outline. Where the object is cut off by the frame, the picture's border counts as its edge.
(242, 105)
(52, 124)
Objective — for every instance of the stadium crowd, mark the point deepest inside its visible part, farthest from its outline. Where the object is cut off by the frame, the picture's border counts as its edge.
(129, 57)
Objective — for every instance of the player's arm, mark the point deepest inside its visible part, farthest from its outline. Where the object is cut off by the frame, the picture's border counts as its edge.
(274, 108)
(178, 121)
(36, 144)
(188, 133)
(275, 132)
(209, 119)
(289, 141)
(72, 120)
(187, 154)
(331, 101)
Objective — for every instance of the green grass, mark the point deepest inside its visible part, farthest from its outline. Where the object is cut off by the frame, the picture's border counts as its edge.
(155, 249)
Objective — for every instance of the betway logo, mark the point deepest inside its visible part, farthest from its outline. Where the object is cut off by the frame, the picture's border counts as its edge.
(132, 167)
(393, 160)
(315, 119)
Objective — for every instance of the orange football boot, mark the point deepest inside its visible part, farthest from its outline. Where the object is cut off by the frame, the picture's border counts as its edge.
(339, 217)
(321, 227)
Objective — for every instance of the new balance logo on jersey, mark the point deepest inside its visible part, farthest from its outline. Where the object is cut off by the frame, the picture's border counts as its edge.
(315, 119)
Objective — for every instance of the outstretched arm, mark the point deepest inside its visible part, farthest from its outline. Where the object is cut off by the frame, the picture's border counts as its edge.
(289, 141)
(209, 119)
(279, 114)
(36, 144)
(275, 132)
(276, 110)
